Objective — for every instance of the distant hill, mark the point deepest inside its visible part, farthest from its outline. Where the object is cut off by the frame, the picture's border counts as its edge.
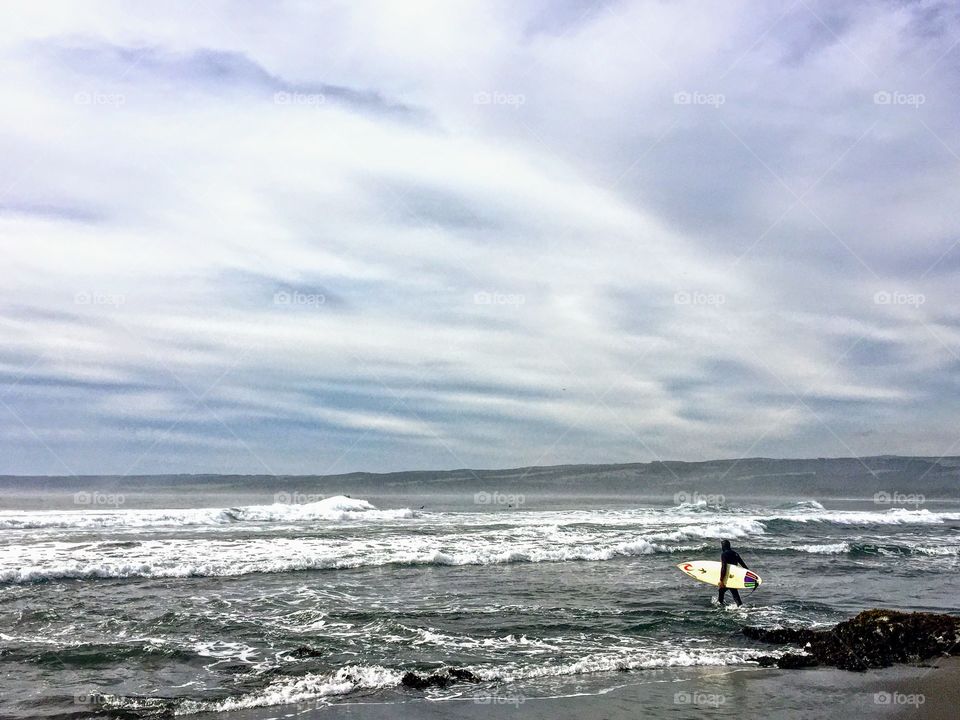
(936, 478)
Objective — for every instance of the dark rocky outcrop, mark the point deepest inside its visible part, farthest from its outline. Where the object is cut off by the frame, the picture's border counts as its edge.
(781, 636)
(873, 639)
(789, 661)
(305, 651)
(439, 678)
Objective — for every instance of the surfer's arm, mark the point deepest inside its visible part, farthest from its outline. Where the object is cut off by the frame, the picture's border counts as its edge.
(723, 573)
(741, 562)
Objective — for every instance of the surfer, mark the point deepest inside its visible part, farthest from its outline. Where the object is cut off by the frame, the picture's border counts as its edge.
(729, 556)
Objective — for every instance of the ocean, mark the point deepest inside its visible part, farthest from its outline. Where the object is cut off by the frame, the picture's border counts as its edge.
(200, 600)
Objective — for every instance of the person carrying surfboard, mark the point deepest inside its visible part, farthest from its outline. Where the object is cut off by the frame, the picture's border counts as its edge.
(729, 556)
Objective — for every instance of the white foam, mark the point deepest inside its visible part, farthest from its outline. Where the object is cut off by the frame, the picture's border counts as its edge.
(318, 687)
(698, 504)
(701, 520)
(664, 655)
(808, 505)
(894, 516)
(288, 691)
(336, 509)
(402, 538)
(731, 528)
(175, 557)
(448, 641)
(938, 551)
(827, 549)
(898, 551)
(333, 508)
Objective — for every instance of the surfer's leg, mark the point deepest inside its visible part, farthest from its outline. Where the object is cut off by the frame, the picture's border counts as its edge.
(736, 596)
(720, 599)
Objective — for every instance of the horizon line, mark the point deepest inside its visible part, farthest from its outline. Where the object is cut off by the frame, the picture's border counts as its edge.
(860, 458)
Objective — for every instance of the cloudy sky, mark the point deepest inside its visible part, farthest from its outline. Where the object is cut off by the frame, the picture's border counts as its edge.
(318, 237)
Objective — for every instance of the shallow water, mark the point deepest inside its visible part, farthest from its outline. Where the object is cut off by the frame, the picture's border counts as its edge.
(172, 608)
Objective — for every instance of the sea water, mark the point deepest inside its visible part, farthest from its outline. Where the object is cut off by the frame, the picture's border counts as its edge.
(174, 602)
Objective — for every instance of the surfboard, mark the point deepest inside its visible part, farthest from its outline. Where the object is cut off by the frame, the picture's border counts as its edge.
(708, 571)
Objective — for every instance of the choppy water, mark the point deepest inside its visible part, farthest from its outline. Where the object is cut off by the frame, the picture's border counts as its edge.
(173, 609)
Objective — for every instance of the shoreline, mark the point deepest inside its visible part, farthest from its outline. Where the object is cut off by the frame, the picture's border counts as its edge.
(902, 691)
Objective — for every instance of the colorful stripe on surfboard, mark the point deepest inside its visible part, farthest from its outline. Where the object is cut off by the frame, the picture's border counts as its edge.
(749, 580)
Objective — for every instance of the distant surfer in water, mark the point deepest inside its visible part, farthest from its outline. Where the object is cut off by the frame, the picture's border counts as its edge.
(729, 556)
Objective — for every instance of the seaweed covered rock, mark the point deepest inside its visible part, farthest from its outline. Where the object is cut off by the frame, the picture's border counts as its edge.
(440, 678)
(788, 661)
(874, 638)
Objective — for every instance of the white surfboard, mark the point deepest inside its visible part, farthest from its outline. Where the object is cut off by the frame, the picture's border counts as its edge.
(708, 571)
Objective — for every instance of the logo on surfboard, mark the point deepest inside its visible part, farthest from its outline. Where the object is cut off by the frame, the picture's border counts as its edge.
(688, 568)
(708, 571)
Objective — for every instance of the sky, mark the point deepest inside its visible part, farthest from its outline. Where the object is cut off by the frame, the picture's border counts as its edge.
(322, 237)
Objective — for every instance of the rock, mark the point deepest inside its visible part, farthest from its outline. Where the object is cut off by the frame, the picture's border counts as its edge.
(305, 651)
(781, 636)
(439, 678)
(792, 661)
(874, 638)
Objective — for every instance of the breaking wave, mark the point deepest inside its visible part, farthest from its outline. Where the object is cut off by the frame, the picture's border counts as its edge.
(320, 687)
(894, 516)
(333, 509)
(174, 560)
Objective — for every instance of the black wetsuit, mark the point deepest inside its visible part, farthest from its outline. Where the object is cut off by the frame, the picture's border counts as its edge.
(730, 557)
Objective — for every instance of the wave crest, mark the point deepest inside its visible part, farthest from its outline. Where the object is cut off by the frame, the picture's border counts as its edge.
(338, 508)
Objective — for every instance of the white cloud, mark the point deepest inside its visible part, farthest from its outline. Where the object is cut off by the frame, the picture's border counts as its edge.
(463, 282)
